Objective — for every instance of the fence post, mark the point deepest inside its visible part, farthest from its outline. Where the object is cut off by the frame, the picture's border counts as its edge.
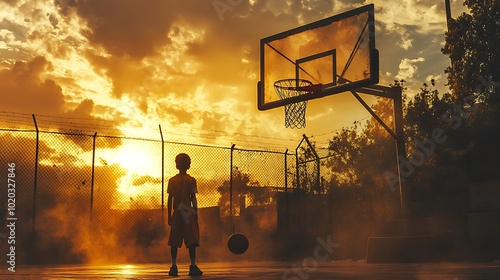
(35, 180)
(162, 178)
(286, 186)
(92, 181)
(231, 191)
(297, 176)
(400, 142)
(317, 160)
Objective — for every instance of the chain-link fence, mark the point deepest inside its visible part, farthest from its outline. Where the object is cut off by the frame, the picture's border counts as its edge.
(89, 197)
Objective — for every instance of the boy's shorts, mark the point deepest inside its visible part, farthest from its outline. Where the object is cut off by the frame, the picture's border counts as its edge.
(184, 227)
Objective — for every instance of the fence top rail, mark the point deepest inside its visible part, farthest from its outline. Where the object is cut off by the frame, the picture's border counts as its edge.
(77, 133)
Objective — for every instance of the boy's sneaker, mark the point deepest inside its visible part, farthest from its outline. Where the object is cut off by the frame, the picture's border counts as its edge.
(194, 271)
(173, 271)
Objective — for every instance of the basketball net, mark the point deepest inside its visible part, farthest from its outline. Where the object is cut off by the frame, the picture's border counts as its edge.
(295, 113)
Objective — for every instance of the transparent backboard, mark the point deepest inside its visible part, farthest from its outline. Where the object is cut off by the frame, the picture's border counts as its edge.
(336, 54)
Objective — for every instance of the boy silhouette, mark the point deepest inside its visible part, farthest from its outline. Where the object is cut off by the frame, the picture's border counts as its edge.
(184, 221)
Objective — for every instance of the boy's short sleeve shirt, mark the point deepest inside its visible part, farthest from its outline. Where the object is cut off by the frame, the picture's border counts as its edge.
(181, 186)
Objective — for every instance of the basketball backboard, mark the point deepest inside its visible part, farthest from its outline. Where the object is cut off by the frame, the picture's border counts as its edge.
(335, 54)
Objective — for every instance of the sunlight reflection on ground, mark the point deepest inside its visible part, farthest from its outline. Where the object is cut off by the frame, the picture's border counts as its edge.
(265, 270)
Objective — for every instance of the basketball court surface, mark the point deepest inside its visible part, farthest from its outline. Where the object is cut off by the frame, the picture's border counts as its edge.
(266, 270)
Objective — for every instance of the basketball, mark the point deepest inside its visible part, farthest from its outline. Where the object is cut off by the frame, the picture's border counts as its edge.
(237, 243)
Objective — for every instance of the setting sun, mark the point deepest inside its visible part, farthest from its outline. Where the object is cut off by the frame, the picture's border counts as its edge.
(137, 159)
(143, 177)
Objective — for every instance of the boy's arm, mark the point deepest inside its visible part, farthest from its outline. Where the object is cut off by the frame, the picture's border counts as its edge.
(169, 211)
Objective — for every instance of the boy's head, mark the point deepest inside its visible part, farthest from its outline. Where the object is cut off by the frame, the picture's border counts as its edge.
(182, 161)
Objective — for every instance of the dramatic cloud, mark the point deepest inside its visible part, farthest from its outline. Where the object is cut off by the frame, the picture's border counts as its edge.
(407, 68)
(23, 89)
(127, 28)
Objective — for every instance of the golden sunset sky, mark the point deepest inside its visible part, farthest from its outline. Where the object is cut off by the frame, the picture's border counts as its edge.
(126, 66)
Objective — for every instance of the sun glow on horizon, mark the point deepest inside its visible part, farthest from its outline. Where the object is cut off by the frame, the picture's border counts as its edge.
(143, 166)
(136, 158)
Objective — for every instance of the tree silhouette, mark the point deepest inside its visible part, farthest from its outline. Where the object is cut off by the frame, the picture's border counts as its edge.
(472, 43)
(243, 187)
(240, 183)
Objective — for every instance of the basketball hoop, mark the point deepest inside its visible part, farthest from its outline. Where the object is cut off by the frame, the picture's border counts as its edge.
(295, 113)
